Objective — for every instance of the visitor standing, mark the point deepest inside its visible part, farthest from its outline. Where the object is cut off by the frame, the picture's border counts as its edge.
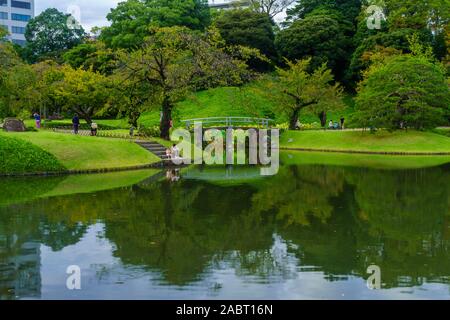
(76, 123)
(342, 123)
(175, 152)
(37, 118)
(94, 128)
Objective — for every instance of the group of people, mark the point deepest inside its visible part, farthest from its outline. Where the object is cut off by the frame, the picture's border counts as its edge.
(331, 125)
(76, 126)
(336, 125)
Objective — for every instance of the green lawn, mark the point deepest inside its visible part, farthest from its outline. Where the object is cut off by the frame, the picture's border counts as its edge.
(19, 156)
(382, 141)
(81, 153)
(361, 160)
(110, 123)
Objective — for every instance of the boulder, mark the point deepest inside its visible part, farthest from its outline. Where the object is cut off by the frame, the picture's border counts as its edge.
(14, 125)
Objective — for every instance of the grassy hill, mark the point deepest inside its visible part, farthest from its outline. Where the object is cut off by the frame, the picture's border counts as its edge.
(19, 156)
(82, 153)
(232, 101)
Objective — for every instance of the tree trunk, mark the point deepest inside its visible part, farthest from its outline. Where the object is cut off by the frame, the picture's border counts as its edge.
(166, 118)
(294, 119)
(323, 118)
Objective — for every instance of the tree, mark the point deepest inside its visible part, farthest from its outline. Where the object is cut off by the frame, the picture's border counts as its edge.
(49, 34)
(83, 92)
(9, 64)
(248, 28)
(270, 7)
(403, 19)
(350, 9)
(405, 91)
(131, 19)
(323, 36)
(297, 89)
(175, 61)
(93, 55)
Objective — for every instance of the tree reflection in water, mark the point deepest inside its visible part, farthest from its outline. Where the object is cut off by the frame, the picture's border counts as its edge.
(336, 219)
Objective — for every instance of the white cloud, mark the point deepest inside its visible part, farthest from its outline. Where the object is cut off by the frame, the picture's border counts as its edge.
(93, 12)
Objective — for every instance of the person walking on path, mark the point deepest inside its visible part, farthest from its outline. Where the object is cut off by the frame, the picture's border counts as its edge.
(76, 123)
(342, 123)
(37, 118)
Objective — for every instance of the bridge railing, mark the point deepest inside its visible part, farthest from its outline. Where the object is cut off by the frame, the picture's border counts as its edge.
(228, 122)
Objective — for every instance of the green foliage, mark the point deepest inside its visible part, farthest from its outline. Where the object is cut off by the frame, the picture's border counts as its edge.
(174, 62)
(83, 92)
(349, 8)
(323, 36)
(18, 156)
(9, 60)
(49, 34)
(92, 56)
(296, 89)
(248, 28)
(405, 91)
(131, 19)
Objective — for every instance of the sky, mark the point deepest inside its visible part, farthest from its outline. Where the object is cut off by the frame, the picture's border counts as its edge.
(92, 12)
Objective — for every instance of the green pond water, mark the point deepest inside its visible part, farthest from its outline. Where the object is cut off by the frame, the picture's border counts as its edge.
(309, 232)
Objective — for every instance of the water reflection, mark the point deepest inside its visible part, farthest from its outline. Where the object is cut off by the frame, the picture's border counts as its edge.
(235, 237)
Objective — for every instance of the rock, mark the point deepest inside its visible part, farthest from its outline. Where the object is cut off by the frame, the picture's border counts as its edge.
(14, 125)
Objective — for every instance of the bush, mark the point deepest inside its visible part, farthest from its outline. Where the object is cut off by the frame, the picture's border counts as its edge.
(18, 156)
(153, 131)
(403, 92)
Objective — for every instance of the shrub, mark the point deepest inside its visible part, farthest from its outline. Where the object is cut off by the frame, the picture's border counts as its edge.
(18, 156)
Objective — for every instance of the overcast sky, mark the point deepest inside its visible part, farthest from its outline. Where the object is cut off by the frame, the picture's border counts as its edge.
(93, 12)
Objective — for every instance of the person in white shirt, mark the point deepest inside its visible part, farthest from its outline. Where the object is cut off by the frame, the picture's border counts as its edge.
(175, 152)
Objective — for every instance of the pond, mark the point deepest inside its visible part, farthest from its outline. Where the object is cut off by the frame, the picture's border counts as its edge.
(310, 232)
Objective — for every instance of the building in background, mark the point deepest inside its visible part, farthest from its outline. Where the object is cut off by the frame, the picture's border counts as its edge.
(14, 16)
(228, 4)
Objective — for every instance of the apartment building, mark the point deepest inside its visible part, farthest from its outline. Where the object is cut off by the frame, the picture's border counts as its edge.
(14, 16)
(227, 4)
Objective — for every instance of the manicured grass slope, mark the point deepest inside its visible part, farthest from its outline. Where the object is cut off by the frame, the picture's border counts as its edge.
(233, 101)
(19, 156)
(402, 141)
(387, 162)
(81, 153)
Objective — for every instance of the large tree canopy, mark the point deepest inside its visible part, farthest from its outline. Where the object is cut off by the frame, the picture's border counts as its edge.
(131, 19)
(175, 61)
(248, 28)
(349, 8)
(404, 91)
(403, 19)
(49, 34)
(321, 35)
